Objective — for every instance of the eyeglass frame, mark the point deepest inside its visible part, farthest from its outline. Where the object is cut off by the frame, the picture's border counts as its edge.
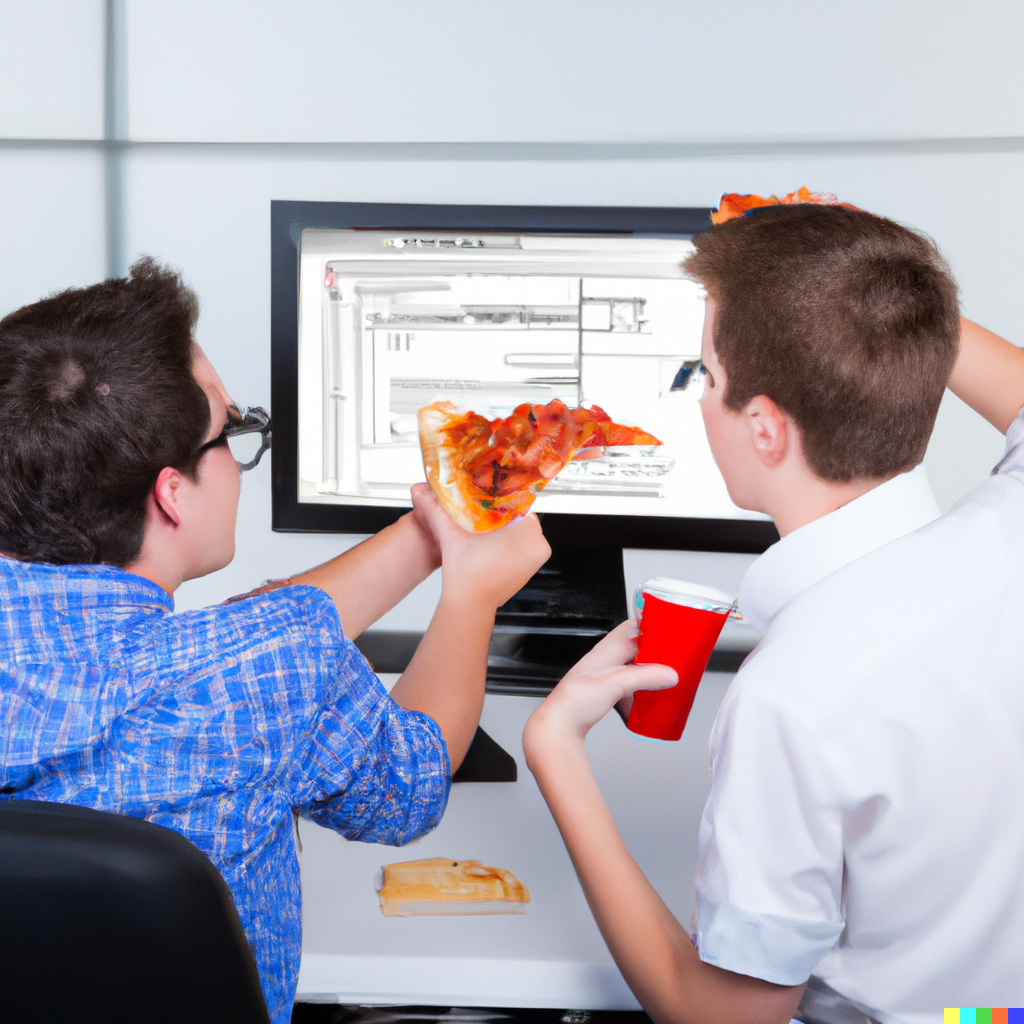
(252, 420)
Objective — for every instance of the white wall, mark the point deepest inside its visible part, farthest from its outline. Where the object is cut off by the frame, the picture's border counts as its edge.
(51, 221)
(51, 69)
(229, 105)
(571, 71)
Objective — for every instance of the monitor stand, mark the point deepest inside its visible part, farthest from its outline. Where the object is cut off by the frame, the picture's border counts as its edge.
(578, 595)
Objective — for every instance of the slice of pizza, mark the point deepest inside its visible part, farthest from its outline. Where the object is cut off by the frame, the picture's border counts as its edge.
(733, 204)
(438, 886)
(486, 473)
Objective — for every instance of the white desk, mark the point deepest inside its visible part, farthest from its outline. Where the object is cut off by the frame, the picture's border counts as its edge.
(550, 956)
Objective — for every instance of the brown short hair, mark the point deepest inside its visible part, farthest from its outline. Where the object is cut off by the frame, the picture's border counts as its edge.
(847, 321)
(96, 397)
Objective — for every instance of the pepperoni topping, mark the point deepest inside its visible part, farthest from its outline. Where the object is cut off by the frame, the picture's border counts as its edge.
(530, 447)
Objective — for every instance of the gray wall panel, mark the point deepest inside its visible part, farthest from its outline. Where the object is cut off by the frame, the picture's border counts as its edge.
(535, 71)
(51, 222)
(51, 69)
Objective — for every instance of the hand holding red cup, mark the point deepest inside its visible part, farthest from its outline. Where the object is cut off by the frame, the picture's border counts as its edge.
(679, 626)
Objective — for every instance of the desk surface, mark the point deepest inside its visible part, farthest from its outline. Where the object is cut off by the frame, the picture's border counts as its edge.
(553, 954)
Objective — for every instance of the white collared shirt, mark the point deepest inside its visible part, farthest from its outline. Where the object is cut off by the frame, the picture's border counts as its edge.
(866, 815)
(802, 558)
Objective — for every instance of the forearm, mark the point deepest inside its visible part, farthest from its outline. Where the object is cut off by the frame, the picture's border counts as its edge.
(481, 571)
(647, 943)
(448, 673)
(371, 578)
(989, 375)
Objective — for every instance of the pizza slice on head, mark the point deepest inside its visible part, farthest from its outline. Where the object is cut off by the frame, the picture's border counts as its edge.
(487, 473)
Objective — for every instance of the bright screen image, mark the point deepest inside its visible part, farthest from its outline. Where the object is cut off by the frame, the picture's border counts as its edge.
(391, 321)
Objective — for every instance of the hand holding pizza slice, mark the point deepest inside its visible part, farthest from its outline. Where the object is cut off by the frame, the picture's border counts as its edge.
(486, 473)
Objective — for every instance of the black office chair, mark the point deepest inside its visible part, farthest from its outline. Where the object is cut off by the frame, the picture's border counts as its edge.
(105, 919)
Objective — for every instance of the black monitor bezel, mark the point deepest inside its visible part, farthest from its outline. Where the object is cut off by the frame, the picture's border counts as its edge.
(288, 219)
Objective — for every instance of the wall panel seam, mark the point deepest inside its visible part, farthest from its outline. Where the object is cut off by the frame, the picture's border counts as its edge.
(541, 151)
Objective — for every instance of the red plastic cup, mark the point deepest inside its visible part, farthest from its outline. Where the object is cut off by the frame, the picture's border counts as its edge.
(679, 626)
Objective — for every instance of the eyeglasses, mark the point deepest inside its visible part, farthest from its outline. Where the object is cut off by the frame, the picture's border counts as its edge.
(237, 435)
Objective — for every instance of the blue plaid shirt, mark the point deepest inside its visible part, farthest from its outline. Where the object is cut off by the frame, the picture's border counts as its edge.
(215, 723)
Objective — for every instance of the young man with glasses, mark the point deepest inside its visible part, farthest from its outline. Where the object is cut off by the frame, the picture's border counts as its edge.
(117, 484)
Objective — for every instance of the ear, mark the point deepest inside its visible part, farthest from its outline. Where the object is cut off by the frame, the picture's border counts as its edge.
(167, 493)
(771, 430)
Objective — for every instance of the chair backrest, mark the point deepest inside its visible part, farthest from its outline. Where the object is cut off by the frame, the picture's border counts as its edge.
(112, 920)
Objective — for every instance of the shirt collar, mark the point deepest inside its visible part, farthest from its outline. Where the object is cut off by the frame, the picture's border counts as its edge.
(802, 558)
(101, 581)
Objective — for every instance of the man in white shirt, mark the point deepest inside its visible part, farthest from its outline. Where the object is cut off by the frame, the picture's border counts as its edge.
(866, 817)
(871, 755)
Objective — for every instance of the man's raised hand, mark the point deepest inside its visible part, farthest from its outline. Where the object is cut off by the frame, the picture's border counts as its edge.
(485, 567)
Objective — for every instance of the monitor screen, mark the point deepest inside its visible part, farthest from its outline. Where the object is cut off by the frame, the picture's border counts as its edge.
(490, 308)
(390, 322)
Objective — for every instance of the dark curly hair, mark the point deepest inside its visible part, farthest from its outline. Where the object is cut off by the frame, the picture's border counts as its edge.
(849, 322)
(96, 397)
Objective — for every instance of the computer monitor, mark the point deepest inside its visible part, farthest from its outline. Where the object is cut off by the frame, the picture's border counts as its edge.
(379, 310)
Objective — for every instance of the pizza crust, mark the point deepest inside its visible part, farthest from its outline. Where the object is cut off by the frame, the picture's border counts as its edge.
(433, 422)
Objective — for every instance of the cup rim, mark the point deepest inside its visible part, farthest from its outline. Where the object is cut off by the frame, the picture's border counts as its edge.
(683, 592)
